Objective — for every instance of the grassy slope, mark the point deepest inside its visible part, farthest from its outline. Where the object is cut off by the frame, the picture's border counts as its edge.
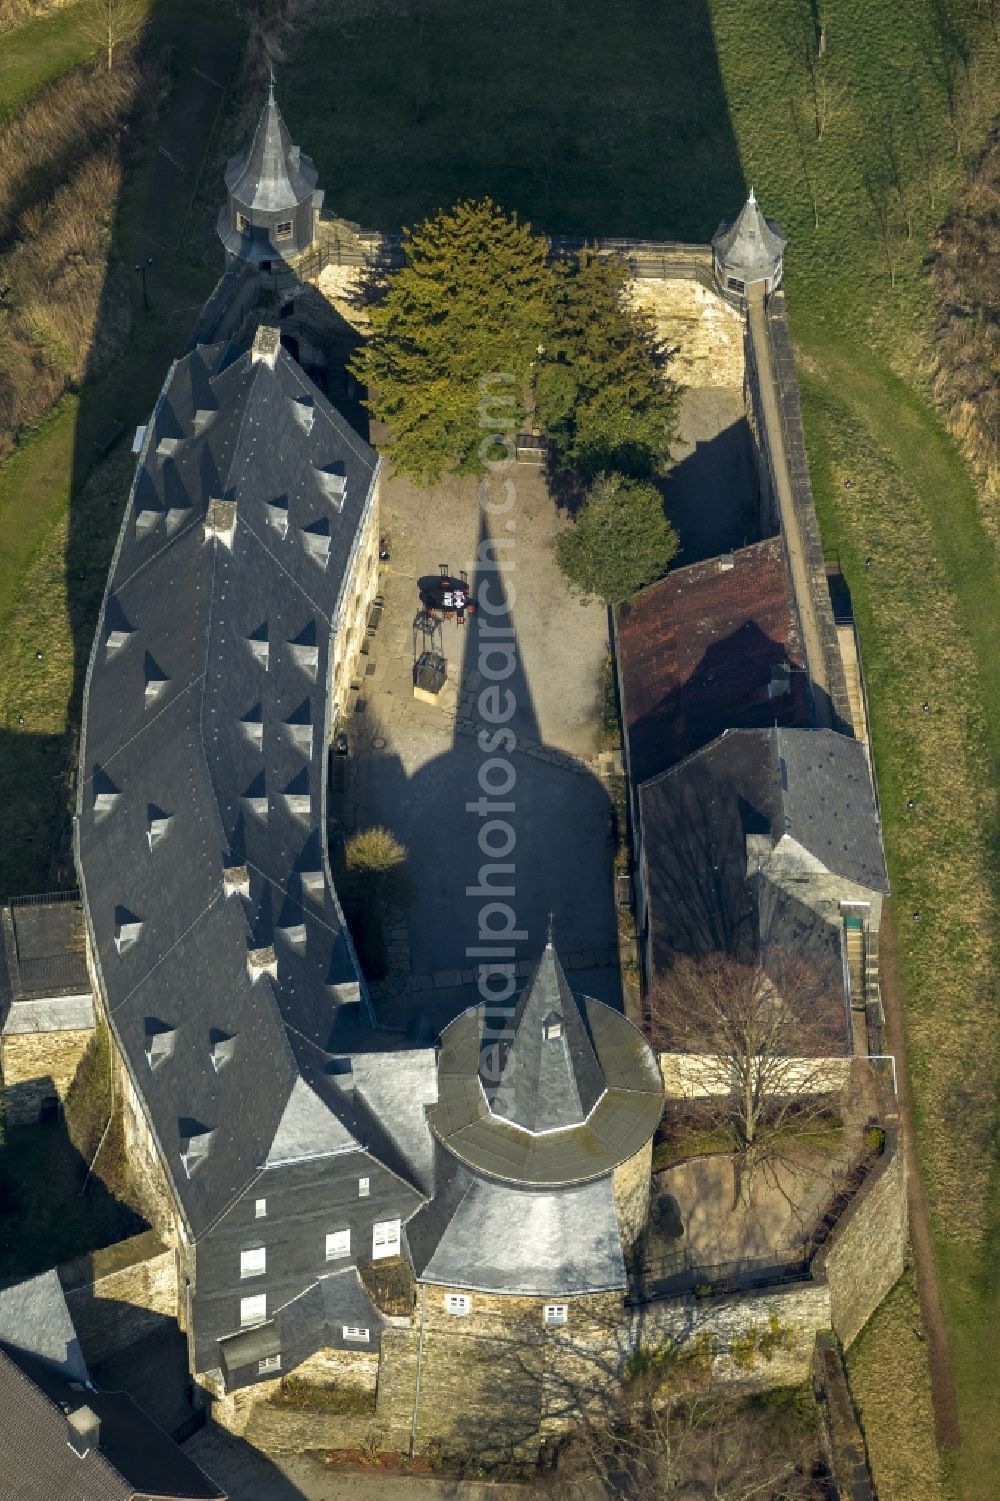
(33, 54)
(59, 458)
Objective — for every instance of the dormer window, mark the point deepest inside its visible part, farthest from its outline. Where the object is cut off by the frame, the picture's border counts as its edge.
(195, 1141)
(160, 1038)
(552, 1027)
(222, 1045)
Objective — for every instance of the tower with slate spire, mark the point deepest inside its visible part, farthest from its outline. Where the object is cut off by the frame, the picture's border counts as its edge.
(746, 250)
(272, 199)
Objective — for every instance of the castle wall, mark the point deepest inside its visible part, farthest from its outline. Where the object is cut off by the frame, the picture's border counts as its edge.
(36, 1065)
(630, 1185)
(867, 1253)
(118, 1295)
(692, 1076)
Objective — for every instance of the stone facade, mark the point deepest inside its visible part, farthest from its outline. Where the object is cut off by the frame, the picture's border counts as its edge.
(705, 332)
(631, 1181)
(359, 590)
(37, 1065)
(866, 1254)
(118, 1295)
(691, 1076)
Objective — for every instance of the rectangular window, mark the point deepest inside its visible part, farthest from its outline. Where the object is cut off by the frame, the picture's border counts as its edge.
(253, 1263)
(385, 1239)
(364, 1188)
(458, 1304)
(243, 224)
(555, 1313)
(283, 231)
(735, 285)
(260, 1209)
(354, 1331)
(338, 1243)
(253, 1310)
(269, 1363)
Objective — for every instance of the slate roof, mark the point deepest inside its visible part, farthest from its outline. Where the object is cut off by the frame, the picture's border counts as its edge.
(708, 649)
(312, 1321)
(271, 174)
(608, 1092)
(809, 788)
(537, 1081)
(35, 1319)
(227, 971)
(133, 1457)
(501, 1239)
(749, 244)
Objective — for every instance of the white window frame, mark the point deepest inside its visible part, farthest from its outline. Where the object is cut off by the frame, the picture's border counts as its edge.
(243, 223)
(555, 1313)
(364, 1188)
(253, 1263)
(386, 1239)
(253, 1310)
(338, 1243)
(355, 1332)
(457, 1304)
(260, 1209)
(268, 1363)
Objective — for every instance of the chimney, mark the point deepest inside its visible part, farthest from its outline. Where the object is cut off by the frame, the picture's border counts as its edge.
(84, 1430)
(266, 343)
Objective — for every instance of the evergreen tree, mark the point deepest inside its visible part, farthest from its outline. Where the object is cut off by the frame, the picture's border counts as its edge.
(601, 393)
(621, 540)
(470, 304)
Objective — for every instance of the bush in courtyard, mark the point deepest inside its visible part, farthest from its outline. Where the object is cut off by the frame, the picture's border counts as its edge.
(377, 880)
(621, 540)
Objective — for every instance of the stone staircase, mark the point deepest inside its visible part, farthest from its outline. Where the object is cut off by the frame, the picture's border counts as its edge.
(856, 967)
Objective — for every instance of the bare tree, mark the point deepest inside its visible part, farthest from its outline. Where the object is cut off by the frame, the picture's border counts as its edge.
(765, 1047)
(110, 24)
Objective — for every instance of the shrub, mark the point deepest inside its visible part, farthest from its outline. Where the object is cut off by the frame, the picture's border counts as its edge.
(621, 540)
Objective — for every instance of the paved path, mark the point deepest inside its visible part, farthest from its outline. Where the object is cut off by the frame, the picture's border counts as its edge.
(811, 638)
(247, 1475)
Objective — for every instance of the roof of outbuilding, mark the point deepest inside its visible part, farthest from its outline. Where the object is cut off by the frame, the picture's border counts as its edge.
(271, 174)
(706, 650)
(34, 1318)
(227, 970)
(809, 788)
(133, 1458)
(750, 242)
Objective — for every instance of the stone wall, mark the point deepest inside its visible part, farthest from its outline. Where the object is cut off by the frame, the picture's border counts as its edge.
(693, 1076)
(357, 1369)
(866, 1254)
(630, 1184)
(146, 1173)
(36, 1065)
(294, 1429)
(789, 407)
(120, 1294)
(703, 329)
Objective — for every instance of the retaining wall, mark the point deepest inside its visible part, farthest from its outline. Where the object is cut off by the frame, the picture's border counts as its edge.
(118, 1295)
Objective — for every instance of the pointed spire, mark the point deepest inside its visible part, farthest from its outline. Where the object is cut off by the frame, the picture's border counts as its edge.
(544, 1075)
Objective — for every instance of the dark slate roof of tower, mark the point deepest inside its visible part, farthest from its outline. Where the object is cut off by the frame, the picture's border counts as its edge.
(623, 1116)
(272, 174)
(225, 964)
(750, 242)
(543, 1074)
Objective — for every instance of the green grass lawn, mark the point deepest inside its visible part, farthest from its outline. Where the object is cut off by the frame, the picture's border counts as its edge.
(40, 50)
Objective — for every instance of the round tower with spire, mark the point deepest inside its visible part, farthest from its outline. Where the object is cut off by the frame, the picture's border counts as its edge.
(746, 250)
(272, 198)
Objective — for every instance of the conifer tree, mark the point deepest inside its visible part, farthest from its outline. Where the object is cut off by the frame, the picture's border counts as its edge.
(602, 396)
(621, 540)
(449, 360)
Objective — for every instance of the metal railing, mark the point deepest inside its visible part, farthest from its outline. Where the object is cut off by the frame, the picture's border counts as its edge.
(674, 1275)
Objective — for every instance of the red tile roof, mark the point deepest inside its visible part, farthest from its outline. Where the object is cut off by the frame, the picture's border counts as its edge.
(697, 653)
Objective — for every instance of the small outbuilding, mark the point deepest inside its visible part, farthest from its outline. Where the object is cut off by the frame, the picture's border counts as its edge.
(746, 250)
